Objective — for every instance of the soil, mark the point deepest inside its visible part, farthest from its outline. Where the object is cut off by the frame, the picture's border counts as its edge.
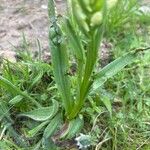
(28, 17)
(24, 16)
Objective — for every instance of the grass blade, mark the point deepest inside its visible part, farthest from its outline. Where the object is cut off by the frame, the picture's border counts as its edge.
(16, 91)
(16, 100)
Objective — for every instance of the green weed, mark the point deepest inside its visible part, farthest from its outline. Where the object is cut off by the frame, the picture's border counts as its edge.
(45, 106)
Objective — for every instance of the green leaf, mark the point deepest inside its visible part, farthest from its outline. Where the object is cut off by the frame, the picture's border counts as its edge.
(43, 113)
(114, 67)
(60, 59)
(51, 9)
(16, 100)
(38, 66)
(34, 131)
(9, 86)
(7, 144)
(15, 90)
(74, 127)
(36, 79)
(37, 145)
(52, 126)
(107, 103)
(48, 144)
(3, 145)
(111, 69)
(4, 111)
(16, 137)
(76, 47)
(74, 40)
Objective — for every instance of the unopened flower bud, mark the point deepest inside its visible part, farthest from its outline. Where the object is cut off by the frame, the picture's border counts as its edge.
(96, 19)
(111, 3)
(86, 4)
(80, 16)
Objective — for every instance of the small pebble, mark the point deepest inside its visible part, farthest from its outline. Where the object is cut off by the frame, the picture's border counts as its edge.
(44, 7)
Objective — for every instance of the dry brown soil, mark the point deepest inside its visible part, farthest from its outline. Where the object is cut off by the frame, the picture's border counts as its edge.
(24, 16)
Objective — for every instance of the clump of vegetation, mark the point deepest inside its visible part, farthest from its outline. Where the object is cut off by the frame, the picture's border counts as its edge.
(73, 102)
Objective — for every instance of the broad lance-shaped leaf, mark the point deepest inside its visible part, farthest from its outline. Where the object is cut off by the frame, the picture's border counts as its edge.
(43, 113)
(107, 103)
(113, 68)
(60, 75)
(74, 127)
(59, 59)
(34, 131)
(52, 126)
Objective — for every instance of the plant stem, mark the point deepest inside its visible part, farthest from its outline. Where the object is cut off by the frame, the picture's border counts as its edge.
(87, 80)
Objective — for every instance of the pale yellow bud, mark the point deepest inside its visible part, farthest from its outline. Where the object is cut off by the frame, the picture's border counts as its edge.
(96, 19)
(111, 3)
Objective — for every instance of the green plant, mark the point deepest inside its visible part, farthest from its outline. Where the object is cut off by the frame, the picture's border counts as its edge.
(124, 15)
(43, 103)
(90, 18)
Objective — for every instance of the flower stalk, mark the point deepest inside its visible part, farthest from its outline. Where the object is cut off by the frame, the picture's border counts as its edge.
(89, 16)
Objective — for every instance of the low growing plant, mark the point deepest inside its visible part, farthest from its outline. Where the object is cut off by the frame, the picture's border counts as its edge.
(80, 36)
(57, 106)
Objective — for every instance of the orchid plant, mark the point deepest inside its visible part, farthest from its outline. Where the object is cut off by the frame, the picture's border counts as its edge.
(74, 41)
(78, 38)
